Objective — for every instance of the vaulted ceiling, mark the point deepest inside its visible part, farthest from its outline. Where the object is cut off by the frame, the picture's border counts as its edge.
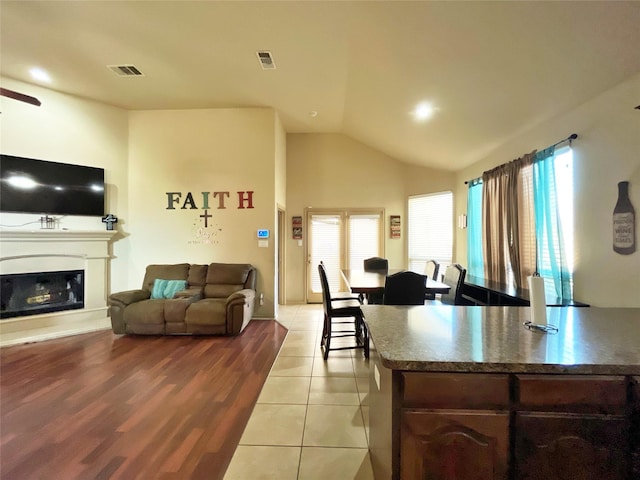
(492, 70)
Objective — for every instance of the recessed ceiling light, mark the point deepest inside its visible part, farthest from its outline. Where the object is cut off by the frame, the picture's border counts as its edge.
(40, 75)
(424, 111)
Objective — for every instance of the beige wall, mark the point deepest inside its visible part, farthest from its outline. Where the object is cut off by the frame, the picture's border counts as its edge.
(209, 150)
(333, 170)
(68, 129)
(225, 150)
(607, 151)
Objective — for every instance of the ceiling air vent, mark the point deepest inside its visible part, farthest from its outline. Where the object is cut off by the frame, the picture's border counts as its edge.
(125, 70)
(266, 60)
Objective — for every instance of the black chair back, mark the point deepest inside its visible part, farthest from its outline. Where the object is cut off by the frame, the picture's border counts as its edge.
(326, 293)
(376, 263)
(404, 288)
(454, 277)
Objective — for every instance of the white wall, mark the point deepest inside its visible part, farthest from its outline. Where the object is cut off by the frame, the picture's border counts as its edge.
(68, 129)
(208, 150)
(606, 152)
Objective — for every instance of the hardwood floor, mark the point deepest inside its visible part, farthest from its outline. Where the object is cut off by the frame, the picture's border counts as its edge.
(102, 406)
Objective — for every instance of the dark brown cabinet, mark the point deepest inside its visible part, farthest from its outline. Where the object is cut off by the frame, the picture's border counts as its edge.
(572, 426)
(635, 427)
(457, 426)
(454, 426)
(550, 446)
(452, 445)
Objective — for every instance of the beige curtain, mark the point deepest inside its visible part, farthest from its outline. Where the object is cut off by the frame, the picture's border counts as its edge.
(508, 225)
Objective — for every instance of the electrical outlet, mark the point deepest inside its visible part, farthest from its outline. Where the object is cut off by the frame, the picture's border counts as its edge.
(262, 299)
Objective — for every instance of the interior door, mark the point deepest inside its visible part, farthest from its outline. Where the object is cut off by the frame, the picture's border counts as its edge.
(326, 245)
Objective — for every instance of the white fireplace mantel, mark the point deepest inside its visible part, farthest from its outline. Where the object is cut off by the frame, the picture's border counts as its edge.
(29, 251)
(55, 234)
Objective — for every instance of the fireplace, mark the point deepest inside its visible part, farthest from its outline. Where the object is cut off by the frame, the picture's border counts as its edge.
(25, 294)
(52, 251)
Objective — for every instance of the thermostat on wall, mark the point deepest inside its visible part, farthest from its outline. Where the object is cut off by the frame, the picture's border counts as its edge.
(263, 233)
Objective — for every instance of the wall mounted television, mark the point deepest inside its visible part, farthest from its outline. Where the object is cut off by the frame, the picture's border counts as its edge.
(28, 185)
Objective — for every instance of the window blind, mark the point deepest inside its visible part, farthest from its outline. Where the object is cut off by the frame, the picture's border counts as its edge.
(430, 230)
(364, 238)
(326, 248)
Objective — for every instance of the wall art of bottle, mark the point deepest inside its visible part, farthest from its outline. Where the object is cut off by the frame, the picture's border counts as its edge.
(624, 222)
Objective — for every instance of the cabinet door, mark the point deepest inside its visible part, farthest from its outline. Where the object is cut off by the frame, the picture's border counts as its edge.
(559, 446)
(635, 428)
(454, 445)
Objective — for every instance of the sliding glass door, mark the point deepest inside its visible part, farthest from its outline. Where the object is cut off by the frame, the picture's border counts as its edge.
(340, 239)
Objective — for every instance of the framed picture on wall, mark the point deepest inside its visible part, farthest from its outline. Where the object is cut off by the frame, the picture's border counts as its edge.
(296, 223)
(394, 225)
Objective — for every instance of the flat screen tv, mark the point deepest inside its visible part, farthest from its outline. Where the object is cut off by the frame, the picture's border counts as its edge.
(38, 186)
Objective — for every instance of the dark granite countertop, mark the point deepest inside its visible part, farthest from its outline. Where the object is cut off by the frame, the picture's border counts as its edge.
(493, 339)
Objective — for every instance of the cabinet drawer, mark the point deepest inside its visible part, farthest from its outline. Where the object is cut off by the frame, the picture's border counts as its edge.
(560, 446)
(455, 390)
(579, 393)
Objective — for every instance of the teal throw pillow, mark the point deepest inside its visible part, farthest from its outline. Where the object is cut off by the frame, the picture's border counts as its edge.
(158, 288)
(173, 287)
(167, 288)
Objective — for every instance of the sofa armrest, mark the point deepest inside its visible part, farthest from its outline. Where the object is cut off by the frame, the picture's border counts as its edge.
(241, 295)
(128, 297)
(118, 302)
(240, 307)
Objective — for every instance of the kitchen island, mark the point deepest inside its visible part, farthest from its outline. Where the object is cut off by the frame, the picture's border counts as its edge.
(471, 393)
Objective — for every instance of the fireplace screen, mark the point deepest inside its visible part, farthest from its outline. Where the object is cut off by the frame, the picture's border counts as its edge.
(34, 293)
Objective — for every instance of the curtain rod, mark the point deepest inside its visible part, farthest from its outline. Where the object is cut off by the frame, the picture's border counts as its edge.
(571, 137)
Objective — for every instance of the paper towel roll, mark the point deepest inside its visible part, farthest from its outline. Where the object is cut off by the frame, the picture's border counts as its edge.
(538, 302)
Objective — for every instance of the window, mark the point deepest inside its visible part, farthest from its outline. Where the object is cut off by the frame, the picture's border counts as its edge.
(430, 230)
(545, 195)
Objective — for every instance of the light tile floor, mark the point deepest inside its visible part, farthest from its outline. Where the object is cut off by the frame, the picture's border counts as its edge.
(311, 419)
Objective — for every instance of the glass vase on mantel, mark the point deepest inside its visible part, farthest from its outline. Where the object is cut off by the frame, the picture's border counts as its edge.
(624, 222)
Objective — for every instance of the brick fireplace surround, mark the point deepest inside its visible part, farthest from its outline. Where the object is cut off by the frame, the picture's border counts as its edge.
(23, 251)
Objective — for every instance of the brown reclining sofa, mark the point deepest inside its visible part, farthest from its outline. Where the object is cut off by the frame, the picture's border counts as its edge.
(217, 299)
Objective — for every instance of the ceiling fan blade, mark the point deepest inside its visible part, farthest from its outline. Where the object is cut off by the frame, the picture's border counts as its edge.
(20, 96)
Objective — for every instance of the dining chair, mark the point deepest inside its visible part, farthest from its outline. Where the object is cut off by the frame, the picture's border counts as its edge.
(404, 288)
(454, 277)
(342, 295)
(431, 271)
(376, 263)
(346, 315)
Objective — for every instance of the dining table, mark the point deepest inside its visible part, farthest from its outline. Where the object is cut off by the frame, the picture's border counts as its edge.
(371, 282)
